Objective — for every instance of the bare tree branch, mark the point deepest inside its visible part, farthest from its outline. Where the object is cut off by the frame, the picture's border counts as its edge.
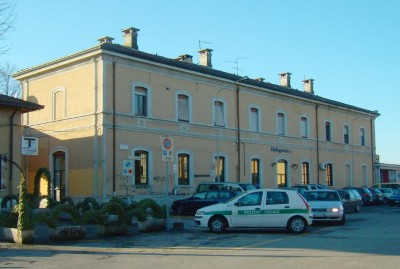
(8, 85)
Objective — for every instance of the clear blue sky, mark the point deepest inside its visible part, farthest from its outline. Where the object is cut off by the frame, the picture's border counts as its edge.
(351, 48)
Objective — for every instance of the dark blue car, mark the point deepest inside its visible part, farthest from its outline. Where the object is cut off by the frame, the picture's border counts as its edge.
(394, 199)
(190, 205)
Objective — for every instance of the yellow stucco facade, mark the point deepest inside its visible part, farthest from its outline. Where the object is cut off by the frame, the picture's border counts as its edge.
(113, 103)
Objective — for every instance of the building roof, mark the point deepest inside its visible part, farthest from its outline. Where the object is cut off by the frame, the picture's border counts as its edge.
(119, 49)
(24, 106)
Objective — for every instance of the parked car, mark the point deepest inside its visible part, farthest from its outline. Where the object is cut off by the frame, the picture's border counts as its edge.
(190, 205)
(226, 186)
(386, 193)
(326, 205)
(260, 208)
(310, 186)
(366, 195)
(395, 198)
(390, 185)
(351, 200)
(377, 197)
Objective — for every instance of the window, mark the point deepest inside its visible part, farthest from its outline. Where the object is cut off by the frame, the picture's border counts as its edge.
(305, 173)
(280, 124)
(254, 126)
(183, 169)
(364, 176)
(58, 104)
(251, 199)
(281, 173)
(219, 117)
(183, 107)
(303, 127)
(362, 137)
(329, 174)
(255, 172)
(346, 134)
(277, 198)
(328, 131)
(140, 101)
(220, 169)
(347, 175)
(141, 167)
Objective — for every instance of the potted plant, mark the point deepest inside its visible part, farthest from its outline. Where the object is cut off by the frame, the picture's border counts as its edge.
(70, 231)
(24, 231)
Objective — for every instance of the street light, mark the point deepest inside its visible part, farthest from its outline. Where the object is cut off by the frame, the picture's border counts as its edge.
(217, 121)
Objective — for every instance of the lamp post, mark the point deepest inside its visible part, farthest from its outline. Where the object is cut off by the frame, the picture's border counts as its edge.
(217, 122)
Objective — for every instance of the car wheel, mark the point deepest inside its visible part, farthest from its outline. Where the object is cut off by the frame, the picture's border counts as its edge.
(385, 200)
(217, 224)
(357, 209)
(297, 225)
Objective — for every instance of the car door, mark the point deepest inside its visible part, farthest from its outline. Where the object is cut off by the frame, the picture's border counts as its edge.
(247, 211)
(277, 209)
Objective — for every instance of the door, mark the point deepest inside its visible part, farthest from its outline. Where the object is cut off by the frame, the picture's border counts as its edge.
(247, 211)
(59, 172)
(277, 209)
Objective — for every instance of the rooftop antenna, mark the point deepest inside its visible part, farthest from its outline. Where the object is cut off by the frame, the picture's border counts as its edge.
(237, 64)
(204, 42)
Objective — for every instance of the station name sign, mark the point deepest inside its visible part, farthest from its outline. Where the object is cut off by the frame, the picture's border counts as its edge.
(280, 150)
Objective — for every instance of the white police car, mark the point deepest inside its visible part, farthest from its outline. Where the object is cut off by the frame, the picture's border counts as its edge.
(262, 208)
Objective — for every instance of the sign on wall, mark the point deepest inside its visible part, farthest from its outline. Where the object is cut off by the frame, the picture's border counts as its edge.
(29, 145)
(127, 167)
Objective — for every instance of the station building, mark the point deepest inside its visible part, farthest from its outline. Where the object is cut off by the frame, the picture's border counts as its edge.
(108, 111)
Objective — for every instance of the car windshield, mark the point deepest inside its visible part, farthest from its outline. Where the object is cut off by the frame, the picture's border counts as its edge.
(247, 187)
(321, 196)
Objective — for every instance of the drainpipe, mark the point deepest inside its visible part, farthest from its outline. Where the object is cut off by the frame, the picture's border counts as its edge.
(113, 128)
(238, 133)
(11, 158)
(317, 131)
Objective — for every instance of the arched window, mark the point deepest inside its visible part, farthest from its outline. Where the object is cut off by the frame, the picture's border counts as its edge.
(141, 101)
(255, 172)
(219, 114)
(59, 104)
(183, 169)
(329, 174)
(141, 167)
(328, 131)
(220, 169)
(305, 173)
(183, 108)
(281, 172)
(280, 123)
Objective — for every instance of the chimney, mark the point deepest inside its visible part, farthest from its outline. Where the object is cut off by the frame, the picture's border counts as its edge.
(105, 39)
(285, 79)
(130, 37)
(308, 85)
(260, 79)
(205, 57)
(185, 58)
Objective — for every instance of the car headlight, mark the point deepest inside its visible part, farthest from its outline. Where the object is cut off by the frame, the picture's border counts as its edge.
(200, 213)
(335, 210)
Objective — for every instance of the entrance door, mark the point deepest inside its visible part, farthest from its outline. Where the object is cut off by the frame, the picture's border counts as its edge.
(59, 175)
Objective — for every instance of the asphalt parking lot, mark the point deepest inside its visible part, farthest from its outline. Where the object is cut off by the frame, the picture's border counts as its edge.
(369, 239)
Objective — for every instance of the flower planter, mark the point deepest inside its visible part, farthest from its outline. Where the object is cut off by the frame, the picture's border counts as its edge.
(152, 225)
(64, 233)
(19, 237)
(112, 229)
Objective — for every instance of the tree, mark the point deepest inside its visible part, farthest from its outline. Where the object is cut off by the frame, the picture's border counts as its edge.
(7, 20)
(8, 85)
